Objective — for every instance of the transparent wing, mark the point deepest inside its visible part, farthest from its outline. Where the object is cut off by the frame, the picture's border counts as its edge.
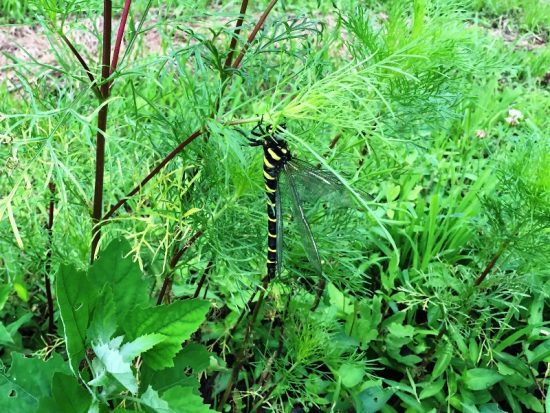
(310, 246)
(313, 184)
(279, 217)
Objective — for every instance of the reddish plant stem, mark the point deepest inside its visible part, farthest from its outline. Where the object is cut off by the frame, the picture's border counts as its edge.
(120, 34)
(83, 63)
(253, 33)
(181, 251)
(195, 134)
(491, 264)
(477, 282)
(266, 374)
(174, 261)
(165, 287)
(151, 174)
(241, 357)
(243, 313)
(49, 296)
(238, 26)
(203, 279)
(102, 128)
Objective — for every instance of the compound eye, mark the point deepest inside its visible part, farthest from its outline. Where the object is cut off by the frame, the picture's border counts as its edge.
(269, 128)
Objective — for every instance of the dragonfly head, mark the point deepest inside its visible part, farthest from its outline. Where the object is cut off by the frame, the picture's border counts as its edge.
(274, 136)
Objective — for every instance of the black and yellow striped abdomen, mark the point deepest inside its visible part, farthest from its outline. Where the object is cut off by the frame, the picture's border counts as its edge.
(276, 155)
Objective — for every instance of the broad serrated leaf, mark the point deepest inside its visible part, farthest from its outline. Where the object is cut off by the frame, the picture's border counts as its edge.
(481, 379)
(531, 402)
(140, 345)
(112, 268)
(176, 321)
(196, 356)
(103, 322)
(162, 380)
(110, 363)
(431, 389)
(152, 400)
(67, 396)
(115, 359)
(444, 356)
(185, 400)
(27, 381)
(75, 298)
(491, 408)
(540, 353)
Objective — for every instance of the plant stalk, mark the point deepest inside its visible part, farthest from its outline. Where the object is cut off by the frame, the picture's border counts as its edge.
(492, 263)
(242, 354)
(48, 266)
(253, 33)
(238, 26)
(198, 132)
(83, 63)
(173, 262)
(151, 174)
(102, 127)
(120, 34)
(203, 279)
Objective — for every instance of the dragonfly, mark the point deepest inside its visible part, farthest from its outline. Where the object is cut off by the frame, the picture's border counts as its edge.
(303, 182)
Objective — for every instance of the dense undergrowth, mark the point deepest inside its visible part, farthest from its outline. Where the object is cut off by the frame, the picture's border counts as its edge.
(434, 116)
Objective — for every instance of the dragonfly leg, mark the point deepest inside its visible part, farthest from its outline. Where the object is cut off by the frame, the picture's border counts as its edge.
(259, 130)
(251, 141)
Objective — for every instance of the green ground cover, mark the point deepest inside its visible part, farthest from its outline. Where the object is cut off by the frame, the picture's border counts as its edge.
(434, 116)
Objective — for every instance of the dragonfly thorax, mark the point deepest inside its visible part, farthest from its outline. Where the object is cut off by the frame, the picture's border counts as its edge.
(276, 153)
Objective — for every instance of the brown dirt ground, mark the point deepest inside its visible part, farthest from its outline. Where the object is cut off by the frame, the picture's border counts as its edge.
(30, 44)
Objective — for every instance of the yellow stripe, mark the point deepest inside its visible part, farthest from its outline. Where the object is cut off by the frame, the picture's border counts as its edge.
(266, 162)
(271, 235)
(267, 176)
(273, 154)
(271, 204)
(271, 262)
(270, 250)
(283, 150)
(270, 190)
(271, 219)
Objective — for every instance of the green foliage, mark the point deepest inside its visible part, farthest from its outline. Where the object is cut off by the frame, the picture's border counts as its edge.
(533, 15)
(28, 381)
(91, 318)
(175, 322)
(67, 396)
(14, 11)
(432, 114)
